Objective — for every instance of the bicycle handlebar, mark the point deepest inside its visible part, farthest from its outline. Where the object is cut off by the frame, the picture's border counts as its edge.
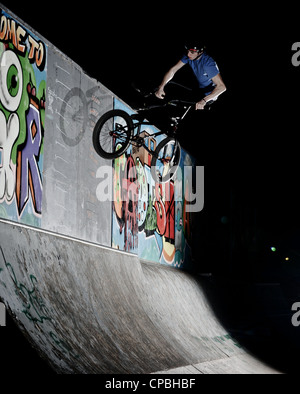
(183, 102)
(176, 103)
(165, 102)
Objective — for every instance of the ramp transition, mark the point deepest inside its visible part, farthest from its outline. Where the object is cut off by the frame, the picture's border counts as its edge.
(90, 309)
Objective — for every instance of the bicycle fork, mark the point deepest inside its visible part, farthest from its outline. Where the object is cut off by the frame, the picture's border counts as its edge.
(177, 120)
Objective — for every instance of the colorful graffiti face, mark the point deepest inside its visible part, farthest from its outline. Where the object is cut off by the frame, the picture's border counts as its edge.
(22, 116)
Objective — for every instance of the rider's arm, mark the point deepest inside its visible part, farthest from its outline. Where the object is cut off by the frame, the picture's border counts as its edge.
(160, 93)
(219, 89)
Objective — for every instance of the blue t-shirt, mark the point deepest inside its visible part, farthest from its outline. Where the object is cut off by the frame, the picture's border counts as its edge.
(205, 68)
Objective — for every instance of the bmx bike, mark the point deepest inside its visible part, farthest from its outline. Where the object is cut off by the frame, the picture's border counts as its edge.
(116, 130)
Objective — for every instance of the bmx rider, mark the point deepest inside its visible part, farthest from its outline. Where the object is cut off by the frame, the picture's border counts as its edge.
(206, 71)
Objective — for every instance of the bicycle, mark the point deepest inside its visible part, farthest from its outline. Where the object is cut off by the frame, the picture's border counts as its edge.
(115, 131)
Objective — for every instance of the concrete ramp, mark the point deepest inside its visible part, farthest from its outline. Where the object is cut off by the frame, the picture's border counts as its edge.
(90, 309)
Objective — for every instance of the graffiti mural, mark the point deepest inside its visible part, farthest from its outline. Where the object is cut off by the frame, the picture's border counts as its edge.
(150, 219)
(23, 66)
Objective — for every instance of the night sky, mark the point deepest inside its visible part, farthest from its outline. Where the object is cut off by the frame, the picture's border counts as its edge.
(248, 143)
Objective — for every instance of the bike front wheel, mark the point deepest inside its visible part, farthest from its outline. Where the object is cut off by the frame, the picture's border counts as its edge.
(165, 160)
(112, 134)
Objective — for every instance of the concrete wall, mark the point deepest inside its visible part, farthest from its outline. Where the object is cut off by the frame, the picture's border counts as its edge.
(49, 174)
(74, 103)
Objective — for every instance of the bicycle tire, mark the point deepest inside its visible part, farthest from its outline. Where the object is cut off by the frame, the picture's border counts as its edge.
(158, 175)
(124, 133)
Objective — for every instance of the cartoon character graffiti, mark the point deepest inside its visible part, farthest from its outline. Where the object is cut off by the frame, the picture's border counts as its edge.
(22, 117)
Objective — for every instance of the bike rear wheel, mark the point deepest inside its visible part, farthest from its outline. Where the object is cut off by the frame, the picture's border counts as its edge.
(165, 160)
(112, 134)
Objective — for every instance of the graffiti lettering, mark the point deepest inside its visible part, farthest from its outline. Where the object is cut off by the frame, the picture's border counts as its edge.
(36, 52)
(9, 130)
(12, 32)
(28, 173)
(22, 116)
(8, 135)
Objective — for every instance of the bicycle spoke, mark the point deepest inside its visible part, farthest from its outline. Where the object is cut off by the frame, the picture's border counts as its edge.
(165, 155)
(167, 161)
(113, 135)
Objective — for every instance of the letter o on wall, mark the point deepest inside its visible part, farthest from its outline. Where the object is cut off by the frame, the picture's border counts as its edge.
(11, 81)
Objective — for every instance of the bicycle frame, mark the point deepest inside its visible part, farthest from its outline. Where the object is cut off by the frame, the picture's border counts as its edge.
(139, 141)
(136, 139)
(111, 140)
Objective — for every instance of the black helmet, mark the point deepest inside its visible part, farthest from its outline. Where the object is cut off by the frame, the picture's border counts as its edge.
(195, 46)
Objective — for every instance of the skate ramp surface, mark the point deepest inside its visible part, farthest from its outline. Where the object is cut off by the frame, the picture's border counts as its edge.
(91, 309)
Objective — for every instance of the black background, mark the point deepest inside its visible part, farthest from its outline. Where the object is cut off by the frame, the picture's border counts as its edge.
(248, 143)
